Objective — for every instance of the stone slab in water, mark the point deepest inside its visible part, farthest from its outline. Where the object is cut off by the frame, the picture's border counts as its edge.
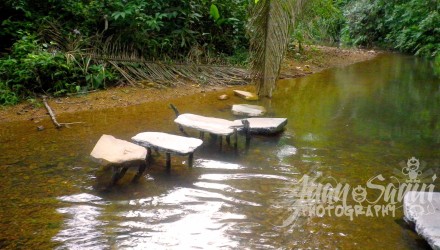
(248, 110)
(265, 125)
(168, 142)
(246, 95)
(212, 125)
(112, 150)
(422, 209)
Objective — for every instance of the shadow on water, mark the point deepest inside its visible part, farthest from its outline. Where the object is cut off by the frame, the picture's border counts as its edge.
(346, 124)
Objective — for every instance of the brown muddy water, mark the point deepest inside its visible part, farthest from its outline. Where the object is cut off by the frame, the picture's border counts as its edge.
(347, 126)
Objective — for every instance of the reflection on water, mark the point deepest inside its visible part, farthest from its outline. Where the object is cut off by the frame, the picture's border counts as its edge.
(346, 124)
(82, 228)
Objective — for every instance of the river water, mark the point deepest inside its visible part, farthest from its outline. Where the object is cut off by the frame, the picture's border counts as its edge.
(347, 126)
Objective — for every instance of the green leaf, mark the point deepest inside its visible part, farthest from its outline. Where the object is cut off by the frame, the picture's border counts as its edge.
(214, 12)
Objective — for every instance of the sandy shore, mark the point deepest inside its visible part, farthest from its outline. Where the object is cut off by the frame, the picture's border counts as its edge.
(312, 60)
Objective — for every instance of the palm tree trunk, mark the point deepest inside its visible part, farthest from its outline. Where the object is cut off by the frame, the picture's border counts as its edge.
(269, 31)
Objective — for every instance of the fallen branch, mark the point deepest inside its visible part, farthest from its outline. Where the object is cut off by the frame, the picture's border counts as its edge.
(70, 123)
(51, 113)
(52, 116)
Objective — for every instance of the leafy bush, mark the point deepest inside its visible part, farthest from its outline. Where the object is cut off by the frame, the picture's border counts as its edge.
(319, 21)
(7, 96)
(155, 27)
(409, 26)
(415, 27)
(36, 68)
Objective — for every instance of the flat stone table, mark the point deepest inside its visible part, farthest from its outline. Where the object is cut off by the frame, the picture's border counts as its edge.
(120, 155)
(169, 143)
(216, 126)
(422, 210)
(265, 125)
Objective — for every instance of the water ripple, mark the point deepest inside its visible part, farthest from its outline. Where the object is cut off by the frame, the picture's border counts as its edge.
(82, 229)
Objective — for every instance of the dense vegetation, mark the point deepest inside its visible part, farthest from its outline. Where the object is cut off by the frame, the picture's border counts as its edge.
(42, 40)
(411, 26)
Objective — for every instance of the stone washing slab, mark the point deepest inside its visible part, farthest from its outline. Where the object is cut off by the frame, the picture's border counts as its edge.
(248, 110)
(212, 125)
(168, 142)
(111, 150)
(246, 95)
(422, 209)
(265, 125)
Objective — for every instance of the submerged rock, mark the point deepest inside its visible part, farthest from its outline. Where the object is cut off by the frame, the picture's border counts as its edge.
(248, 110)
(246, 95)
(223, 97)
(108, 149)
(422, 210)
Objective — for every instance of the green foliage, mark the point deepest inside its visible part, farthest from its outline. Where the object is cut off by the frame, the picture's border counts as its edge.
(319, 21)
(157, 28)
(214, 12)
(409, 26)
(214, 30)
(35, 68)
(7, 96)
(436, 65)
(415, 27)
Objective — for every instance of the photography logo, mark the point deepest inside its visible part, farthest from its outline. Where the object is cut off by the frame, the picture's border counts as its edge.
(325, 196)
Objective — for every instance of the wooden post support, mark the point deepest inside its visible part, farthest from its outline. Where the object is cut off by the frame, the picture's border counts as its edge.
(228, 139)
(213, 137)
(202, 135)
(235, 139)
(149, 155)
(175, 110)
(117, 175)
(221, 142)
(190, 160)
(141, 170)
(168, 165)
(177, 115)
(247, 131)
(157, 151)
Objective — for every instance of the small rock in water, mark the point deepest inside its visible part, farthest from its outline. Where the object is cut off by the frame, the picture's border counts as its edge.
(246, 95)
(151, 84)
(223, 97)
(307, 68)
(40, 128)
(248, 110)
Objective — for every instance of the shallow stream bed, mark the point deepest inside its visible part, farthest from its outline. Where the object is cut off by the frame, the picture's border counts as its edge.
(348, 126)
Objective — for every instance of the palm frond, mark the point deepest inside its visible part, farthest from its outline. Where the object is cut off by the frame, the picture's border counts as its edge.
(269, 29)
(136, 69)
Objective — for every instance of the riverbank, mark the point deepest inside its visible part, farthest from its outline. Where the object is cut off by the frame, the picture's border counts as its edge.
(313, 59)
